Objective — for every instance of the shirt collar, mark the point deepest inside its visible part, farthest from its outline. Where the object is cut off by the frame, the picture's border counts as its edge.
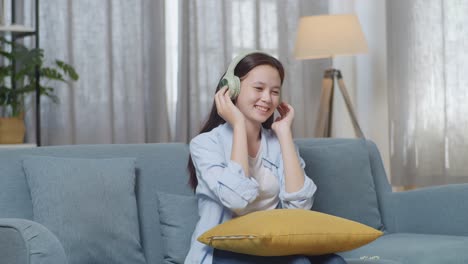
(268, 150)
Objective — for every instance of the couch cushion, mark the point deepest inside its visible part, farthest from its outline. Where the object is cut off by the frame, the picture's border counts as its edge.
(15, 201)
(178, 215)
(89, 204)
(345, 186)
(415, 248)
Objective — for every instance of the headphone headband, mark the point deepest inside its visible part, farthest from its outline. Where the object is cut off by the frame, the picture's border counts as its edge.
(237, 59)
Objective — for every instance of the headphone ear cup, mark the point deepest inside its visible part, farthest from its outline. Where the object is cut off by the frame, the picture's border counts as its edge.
(234, 87)
(233, 84)
(222, 83)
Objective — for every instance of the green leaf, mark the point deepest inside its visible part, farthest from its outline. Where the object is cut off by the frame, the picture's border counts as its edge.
(52, 74)
(6, 54)
(48, 91)
(67, 69)
(25, 90)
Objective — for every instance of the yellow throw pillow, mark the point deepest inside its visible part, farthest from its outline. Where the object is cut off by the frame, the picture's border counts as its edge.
(284, 232)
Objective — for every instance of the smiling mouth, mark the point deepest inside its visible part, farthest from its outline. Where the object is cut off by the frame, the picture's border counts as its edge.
(262, 108)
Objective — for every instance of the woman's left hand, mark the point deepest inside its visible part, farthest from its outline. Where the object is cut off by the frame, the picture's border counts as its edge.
(283, 122)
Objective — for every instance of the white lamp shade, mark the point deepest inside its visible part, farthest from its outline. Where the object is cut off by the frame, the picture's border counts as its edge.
(329, 35)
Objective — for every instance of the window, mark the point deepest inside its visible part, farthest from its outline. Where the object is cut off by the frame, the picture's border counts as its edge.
(172, 57)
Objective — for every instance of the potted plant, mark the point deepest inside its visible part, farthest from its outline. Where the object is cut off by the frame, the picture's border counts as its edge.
(18, 65)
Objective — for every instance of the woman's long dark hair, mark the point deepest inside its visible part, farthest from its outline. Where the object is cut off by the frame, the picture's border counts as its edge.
(243, 67)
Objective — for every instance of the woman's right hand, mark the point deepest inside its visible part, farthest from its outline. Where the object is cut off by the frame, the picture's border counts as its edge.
(226, 108)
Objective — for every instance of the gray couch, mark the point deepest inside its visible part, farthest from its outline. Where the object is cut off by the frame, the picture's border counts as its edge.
(422, 226)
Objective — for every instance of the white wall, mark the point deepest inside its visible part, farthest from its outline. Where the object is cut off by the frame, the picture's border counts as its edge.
(365, 77)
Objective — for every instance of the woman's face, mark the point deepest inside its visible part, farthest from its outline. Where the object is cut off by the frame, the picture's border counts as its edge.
(259, 94)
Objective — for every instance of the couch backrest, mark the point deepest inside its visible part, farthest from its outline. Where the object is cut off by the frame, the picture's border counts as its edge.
(160, 167)
(349, 175)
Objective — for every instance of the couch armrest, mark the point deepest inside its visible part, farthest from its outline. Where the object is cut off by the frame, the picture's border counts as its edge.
(28, 242)
(434, 210)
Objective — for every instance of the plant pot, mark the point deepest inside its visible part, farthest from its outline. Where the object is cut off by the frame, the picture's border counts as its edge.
(12, 130)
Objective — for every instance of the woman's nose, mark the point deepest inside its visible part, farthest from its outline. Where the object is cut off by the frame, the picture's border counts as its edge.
(266, 97)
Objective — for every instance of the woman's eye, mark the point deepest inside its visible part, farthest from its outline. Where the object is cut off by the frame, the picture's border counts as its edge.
(258, 88)
(276, 92)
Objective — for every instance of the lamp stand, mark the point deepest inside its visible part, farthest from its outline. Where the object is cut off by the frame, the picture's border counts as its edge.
(324, 121)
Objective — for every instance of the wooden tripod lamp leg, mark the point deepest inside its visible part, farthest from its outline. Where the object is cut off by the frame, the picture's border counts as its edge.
(324, 119)
(349, 105)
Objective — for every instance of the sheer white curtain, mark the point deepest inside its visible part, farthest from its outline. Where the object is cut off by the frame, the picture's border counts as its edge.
(213, 31)
(365, 76)
(428, 95)
(117, 47)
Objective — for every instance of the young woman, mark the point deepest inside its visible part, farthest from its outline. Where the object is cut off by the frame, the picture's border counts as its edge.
(244, 161)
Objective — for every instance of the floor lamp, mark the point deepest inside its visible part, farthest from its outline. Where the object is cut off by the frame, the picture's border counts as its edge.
(328, 36)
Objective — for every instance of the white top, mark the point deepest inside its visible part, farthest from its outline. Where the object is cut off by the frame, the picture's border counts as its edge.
(268, 187)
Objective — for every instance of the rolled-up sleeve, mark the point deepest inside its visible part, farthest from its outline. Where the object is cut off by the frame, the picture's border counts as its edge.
(222, 180)
(303, 198)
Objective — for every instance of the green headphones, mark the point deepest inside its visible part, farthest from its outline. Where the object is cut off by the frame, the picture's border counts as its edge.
(233, 82)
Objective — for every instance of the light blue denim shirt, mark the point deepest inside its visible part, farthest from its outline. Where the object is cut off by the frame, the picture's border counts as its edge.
(223, 186)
